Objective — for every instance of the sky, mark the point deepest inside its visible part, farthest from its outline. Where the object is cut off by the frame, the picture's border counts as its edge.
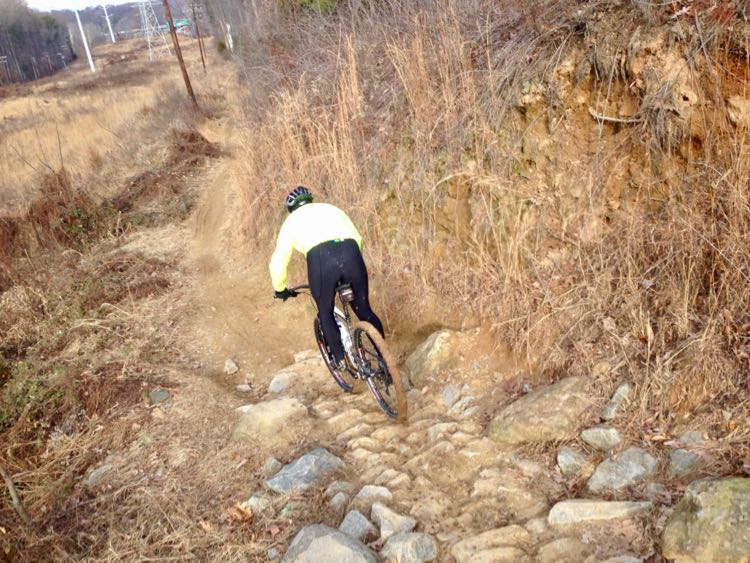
(69, 4)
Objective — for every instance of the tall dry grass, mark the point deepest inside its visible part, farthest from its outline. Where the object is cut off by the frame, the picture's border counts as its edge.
(567, 172)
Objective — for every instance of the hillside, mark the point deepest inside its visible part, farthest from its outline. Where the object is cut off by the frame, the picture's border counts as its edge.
(553, 198)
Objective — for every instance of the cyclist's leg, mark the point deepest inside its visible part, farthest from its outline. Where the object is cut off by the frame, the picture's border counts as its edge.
(356, 275)
(322, 276)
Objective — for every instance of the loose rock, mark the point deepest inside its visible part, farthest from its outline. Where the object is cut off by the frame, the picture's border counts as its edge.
(438, 431)
(308, 470)
(96, 476)
(282, 381)
(613, 407)
(316, 543)
(370, 494)
(268, 418)
(450, 395)
(432, 356)
(552, 412)
(258, 503)
(625, 469)
(358, 526)
(710, 523)
(563, 550)
(338, 487)
(601, 437)
(576, 511)
(230, 367)
(410, 548)
(271, 467)
(159, 396)
(338, 502)
(391, 522)
(682, 462)
(570, 460)
(484, 547)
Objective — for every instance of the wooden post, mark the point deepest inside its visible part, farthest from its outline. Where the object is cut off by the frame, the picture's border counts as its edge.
(178, 52)
(200, 42)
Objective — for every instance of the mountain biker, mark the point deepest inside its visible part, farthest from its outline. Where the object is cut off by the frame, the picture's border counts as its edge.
(332, 246)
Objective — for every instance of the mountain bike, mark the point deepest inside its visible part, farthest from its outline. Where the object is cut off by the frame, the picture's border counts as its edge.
(368, 360)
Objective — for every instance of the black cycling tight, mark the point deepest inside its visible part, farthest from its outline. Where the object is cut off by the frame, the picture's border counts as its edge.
(329, 264)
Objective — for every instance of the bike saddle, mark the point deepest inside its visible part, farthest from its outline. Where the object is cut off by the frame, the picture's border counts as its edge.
(346, 293)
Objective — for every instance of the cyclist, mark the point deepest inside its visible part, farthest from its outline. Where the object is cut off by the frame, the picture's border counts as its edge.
(332, 245)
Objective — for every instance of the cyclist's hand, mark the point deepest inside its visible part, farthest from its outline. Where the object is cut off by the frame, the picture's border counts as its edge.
(284, 295)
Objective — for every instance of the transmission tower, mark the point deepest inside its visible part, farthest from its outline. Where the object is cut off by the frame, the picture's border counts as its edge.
(152, 31)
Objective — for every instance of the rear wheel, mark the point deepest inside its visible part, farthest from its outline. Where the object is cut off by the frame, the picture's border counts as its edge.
(384, 379)
(345, 380)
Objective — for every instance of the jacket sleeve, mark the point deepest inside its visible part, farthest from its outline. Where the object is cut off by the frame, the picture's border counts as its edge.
(280, 261)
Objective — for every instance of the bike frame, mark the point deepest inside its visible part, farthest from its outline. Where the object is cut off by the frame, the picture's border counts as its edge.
(344, 313)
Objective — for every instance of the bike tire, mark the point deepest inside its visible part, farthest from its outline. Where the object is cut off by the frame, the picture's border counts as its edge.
(396, 408)
(347, 381)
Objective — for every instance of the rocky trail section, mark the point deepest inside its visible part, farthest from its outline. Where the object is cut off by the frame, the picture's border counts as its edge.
(442, 487)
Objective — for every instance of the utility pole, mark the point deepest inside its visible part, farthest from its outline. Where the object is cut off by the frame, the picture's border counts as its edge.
(200, 39)
(85, 43)
(178, 52)
(109, 25)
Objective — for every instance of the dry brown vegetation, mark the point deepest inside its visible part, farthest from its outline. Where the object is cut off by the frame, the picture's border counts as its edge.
(574, 174)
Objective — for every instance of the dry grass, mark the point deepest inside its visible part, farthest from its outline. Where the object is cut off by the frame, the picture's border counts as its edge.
(461, 138)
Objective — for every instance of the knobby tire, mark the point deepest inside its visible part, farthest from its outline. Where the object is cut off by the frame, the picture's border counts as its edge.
(391, 366)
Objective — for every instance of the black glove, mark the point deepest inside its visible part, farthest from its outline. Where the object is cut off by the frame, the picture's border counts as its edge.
(284, 295)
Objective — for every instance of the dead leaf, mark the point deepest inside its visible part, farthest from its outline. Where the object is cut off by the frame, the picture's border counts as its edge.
(274, 531)
(207, 527)
(241, 513)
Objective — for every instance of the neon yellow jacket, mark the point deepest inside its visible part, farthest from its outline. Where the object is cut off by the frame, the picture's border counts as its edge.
(305, 228)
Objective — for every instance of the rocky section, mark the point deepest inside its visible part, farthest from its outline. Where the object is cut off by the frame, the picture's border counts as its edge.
(711, 523)
(469, 499)
(552, 412)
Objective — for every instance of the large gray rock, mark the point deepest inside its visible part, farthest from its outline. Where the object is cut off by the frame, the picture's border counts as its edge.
(711, 523)
(316, 543)
(552, 412)
(625, 469)
(577, 511)
(602, 437)
(570, 460)
(305, 472)
(391, 522)
(356, 525)
(410, 548)
(268, 418)
(492, 545)
(613, 407)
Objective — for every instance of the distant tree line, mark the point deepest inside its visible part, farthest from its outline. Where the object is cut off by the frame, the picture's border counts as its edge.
(32, 45)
